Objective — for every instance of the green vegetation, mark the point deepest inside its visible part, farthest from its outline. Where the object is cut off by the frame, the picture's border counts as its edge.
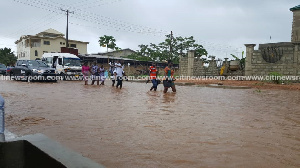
(108, 42)
(275, 77)
(170, 49)
(7, 57)
(258, 90)
(242, 60)
(259, 83)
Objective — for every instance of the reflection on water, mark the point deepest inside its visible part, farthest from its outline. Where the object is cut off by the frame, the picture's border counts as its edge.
(133, 127)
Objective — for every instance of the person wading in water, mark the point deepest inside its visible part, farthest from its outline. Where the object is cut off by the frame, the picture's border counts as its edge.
(118, 74)
(85, 71)
(153, 76)
(169, 79)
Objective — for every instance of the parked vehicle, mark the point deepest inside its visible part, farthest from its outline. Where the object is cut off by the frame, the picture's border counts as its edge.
(33, 70)
(8, 68)
(64, 63)
(2, 69)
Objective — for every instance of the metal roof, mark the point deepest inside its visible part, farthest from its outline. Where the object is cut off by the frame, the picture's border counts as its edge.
(105, 56)
(51, 31)
(117, 58)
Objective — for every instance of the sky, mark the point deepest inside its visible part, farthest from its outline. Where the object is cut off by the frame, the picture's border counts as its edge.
(222, 27)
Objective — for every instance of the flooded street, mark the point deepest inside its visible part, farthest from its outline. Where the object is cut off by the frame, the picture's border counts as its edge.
(134, 128)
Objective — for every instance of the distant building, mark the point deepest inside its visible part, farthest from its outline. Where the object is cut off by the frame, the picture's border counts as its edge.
(31, 47)
(118, 53)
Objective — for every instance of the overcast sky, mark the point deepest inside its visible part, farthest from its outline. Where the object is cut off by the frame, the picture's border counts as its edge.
(221, 26)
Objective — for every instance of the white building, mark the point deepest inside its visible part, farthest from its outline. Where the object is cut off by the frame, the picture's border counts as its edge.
(31, 47)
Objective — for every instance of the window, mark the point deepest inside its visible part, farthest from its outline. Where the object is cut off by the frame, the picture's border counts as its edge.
(59, 61)
(46, 42)
(45, 52)
(73, 45)
(48, 60)
(19, 63)
(36, 53)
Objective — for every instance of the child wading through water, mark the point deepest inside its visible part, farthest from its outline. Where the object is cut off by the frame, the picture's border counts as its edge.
(85, 71)
(153, 76)
(169, 81)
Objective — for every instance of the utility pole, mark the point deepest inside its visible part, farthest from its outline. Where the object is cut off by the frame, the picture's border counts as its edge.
(171, 44)
(67, 31)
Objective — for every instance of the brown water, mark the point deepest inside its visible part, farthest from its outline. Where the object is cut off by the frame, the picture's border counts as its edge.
(132, 127)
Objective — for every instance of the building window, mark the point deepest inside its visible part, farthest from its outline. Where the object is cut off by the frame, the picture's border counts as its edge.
(46, 42)
(73, 45)
(62, 43)
(36, 53)
(45, 52)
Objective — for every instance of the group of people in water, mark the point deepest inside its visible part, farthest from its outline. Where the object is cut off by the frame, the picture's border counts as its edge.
(116, 70)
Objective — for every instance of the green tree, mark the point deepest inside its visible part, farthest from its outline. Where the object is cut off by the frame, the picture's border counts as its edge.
(108, 42)
(171, 49)
(7, 57)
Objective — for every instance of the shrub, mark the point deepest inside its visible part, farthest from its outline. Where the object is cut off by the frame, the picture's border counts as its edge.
(275, 77)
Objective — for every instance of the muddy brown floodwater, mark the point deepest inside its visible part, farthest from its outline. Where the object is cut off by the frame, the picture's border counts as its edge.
(134, 128)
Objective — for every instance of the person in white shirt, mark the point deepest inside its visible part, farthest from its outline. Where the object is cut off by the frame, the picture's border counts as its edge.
(118, 73)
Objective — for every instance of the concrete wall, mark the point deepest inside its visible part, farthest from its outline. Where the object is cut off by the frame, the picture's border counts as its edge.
(191, 66)
(199, 69)
(212, 69)
(39, 151)
(24, 154)
(183, 66)
(296, 26)
(283, 58)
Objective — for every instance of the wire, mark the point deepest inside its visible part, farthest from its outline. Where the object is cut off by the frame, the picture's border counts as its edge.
(109, 22)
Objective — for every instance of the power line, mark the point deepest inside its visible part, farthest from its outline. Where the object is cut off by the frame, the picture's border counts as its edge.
(36, 27)
(93, 4)
(107, 21)
(29, 27)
